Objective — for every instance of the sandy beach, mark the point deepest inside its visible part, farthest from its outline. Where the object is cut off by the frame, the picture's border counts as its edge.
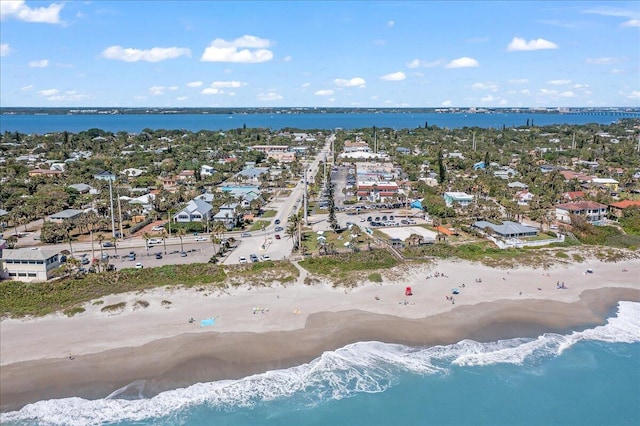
(256, 329)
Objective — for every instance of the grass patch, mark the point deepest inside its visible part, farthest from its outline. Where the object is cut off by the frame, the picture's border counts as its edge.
(344, 267)
(258, 225)
(577, 258)
(141, 304)
(115, 307)
(18, 299)
(562, 255)
(375, 277)
(98, 303)
(70, 312)
(268, 214)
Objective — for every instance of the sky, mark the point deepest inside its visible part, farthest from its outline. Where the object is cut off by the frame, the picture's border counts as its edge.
(319, 54)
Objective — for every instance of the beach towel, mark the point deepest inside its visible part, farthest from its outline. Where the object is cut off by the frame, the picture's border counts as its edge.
(207, 322)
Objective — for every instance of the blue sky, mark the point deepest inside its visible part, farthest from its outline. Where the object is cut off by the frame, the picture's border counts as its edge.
(332, 53)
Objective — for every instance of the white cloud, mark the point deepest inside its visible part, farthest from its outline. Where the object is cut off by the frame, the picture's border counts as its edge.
(602, 61)
(155, 54)
(39, 64)
(446, 103)
(228, 84)
(617, 71)
(486, 86)
(634, 95)
(194, 84)
(580, 86)
(549, 92)
(19, 10)
(173, 88)
(354, 82)
(632, 15)
(25, 88)
(287, 59)
(519, 81)
(157, 90)
(327, 92)
(394, 76)
(269, 96)
(559, 82)
(631, 23)
(520, 44)
(246, 49)
(4, 49)
(567, 94)
(391, 24)
(464, 62)
(305, 85)
(489, 98)
(525, 92)
(417, 63)
(68, 96)
(212, 91)
(48, 92)
(182, 98)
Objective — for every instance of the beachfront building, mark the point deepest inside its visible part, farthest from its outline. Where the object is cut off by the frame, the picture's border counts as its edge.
(523, 197)
(206, 170)
(607, 183)
(593, 212)
(228, 215)
(28, 264)
(377, 191)
(508, 229)
(246, 194)
(460, 199)
(197, 210)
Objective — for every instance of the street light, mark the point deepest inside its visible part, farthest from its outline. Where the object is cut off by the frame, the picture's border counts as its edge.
(108, 176)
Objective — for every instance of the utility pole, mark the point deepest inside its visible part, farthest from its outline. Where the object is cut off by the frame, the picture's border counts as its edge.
(108, 176)
(120, 213)
(305, 195)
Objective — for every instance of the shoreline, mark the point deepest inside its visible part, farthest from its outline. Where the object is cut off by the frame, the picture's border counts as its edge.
(173, 356)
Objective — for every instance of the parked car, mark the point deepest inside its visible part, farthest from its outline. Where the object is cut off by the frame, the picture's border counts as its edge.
(245, 234)
(158, 256)
(277, 236)
(153, 241)
(253, 257)
(200, 238)
(243, 259)
(183, 254)
(158, 228)
(85, 261)
(105, 256)
(277, 222)
(265, 257)
(107, 244)
(139, 265)
(279, 228)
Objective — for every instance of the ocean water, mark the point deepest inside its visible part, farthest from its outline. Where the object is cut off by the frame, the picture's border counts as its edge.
(135, 123)
(589, 377)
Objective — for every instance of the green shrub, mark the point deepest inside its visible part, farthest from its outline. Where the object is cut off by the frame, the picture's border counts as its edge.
(114, 307)
(141, 304)
(70, 312)
(375, 277)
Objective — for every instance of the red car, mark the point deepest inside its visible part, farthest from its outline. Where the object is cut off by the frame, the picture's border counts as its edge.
(277, 236)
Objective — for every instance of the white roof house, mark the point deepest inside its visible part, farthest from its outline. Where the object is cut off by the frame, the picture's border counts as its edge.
(462, 199)
(196, 211)
(29, 264)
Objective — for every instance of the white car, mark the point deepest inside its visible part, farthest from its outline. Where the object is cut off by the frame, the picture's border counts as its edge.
(200, 238)
(158, 228)
(243, 259)
(139, 265)
(265, 258)
(153, 241)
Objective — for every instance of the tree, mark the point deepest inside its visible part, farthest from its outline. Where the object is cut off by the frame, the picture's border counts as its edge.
(100, 240)
(442, 173)
(333, 221)
(181, 233)
(146, 236)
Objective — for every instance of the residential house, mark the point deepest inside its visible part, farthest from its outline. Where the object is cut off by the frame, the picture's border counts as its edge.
(523, 197)
(608, 183)
(229, 215)
(267, 149)
(44, 173)
(68, 214)
(461, 199)
(29, 264)
(170, 183)
(206, 170)
(82, 188)
(132, 172)
(508, 229)
(518, 185)
(593, 212)
(197, 210)
(505, 173)
(186, 176)
(246, 194)
(250, 175)
(617, 209)
(573, 195)
(377, 191)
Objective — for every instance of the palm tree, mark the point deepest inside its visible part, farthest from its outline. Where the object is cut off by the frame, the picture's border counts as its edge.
(146, 236)
(181, 233)
(114, 241)
(164, 240)
(215, 240)
(100, 240)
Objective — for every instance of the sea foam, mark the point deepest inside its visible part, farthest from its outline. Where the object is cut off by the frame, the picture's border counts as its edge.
(365, 367)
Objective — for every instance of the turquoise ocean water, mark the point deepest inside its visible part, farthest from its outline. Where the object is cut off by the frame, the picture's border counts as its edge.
(589, 377)
(135, 123)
